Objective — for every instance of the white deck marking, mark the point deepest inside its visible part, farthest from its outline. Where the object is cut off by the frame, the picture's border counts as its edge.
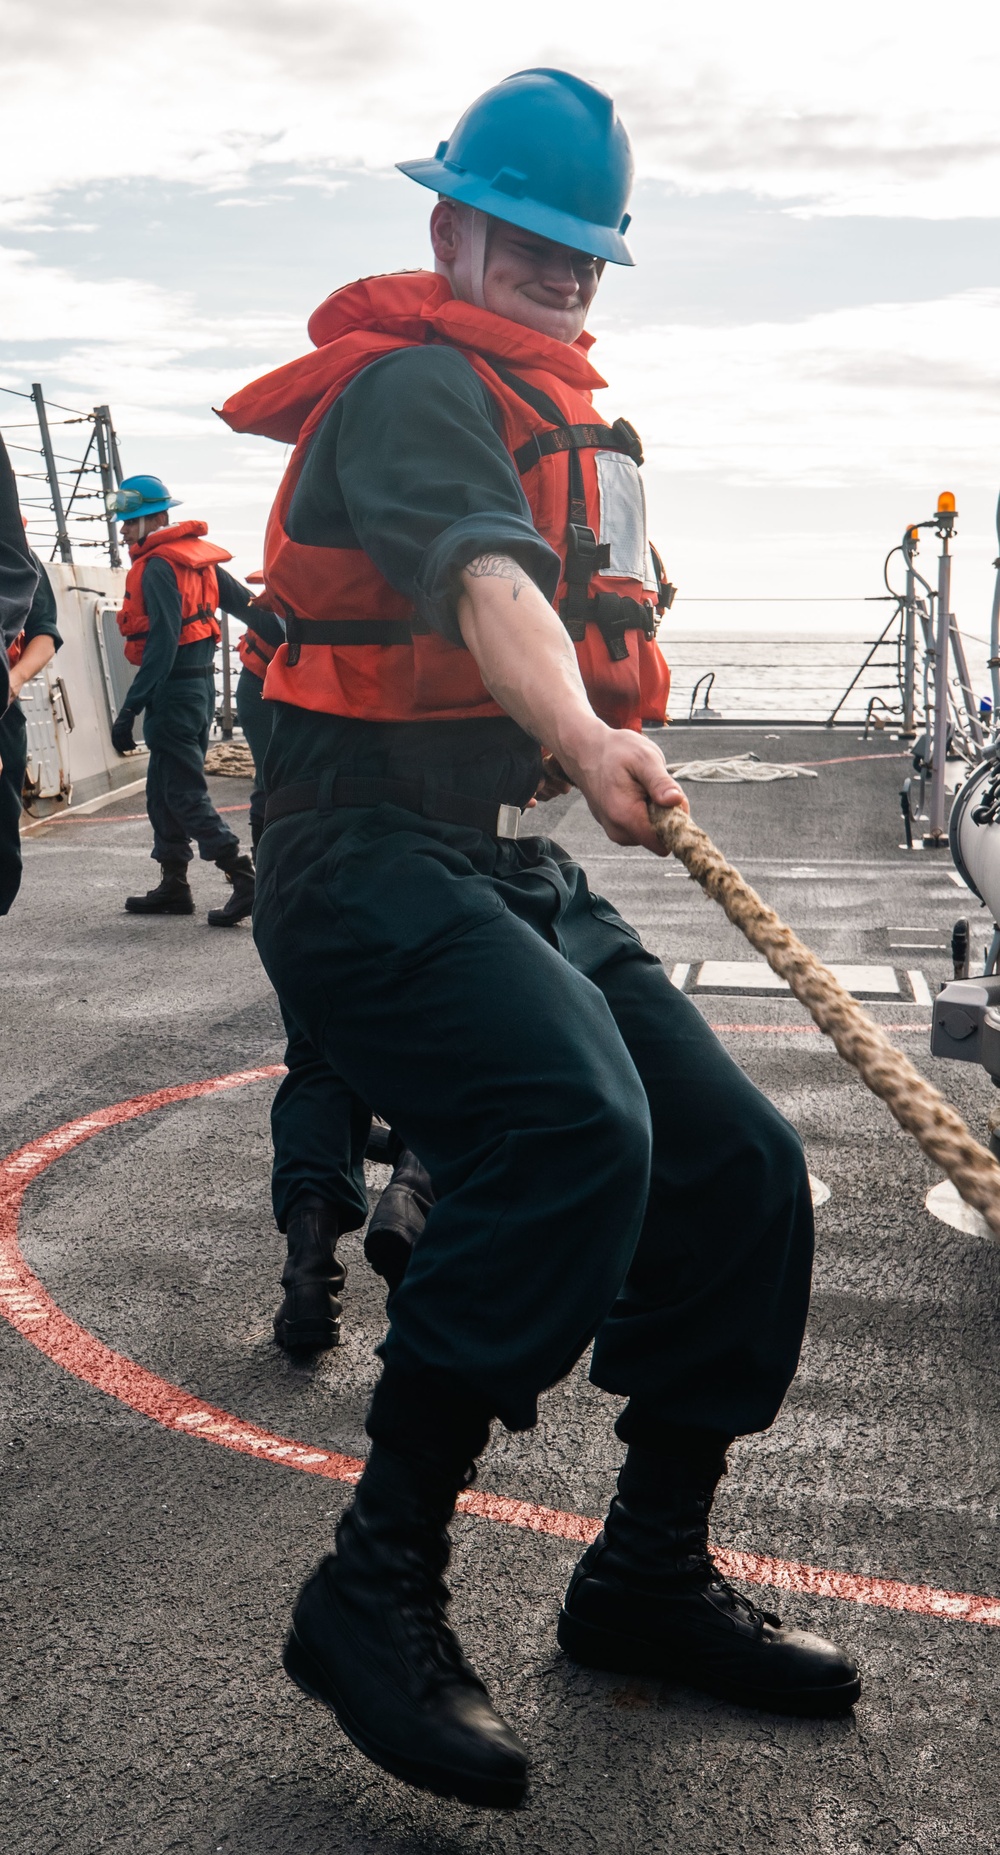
(756, 976)
(746, 975)
(920, 989)
(818, 1191)
(679, 974)
(944, 1203)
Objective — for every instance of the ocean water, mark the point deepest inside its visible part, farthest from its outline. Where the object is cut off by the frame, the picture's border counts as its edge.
(788, 676)
(778, 675)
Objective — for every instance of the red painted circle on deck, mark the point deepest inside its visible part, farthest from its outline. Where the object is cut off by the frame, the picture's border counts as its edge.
(26, 1304)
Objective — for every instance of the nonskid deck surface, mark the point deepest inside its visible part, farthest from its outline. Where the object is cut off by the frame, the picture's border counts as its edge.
(149, 1570)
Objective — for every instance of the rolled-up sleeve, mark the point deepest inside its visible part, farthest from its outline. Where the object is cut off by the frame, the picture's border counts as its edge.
(41, 620)
(427, 482)
(18, 568)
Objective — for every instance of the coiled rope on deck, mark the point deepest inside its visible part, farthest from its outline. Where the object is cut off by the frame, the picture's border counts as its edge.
(918, 1107)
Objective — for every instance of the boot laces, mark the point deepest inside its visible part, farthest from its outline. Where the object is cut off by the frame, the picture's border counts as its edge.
(737, 1601)
(423, 1614)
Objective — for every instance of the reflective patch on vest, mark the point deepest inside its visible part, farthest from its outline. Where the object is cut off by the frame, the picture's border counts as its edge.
(623, 516)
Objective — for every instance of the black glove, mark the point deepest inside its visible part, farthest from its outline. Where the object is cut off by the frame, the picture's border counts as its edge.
(122, 738)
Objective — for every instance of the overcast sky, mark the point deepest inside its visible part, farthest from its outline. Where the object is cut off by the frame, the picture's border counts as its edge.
(808, 344)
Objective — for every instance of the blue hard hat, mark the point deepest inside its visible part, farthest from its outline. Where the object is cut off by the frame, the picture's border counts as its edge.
(138, 496)
(543, 150)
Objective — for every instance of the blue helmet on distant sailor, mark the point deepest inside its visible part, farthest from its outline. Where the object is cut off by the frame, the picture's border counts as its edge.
(139, 496)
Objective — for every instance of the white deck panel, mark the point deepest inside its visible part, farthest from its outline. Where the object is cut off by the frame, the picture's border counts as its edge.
(756, 976)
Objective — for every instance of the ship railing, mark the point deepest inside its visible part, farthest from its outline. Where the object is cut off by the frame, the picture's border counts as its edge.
(56, 479)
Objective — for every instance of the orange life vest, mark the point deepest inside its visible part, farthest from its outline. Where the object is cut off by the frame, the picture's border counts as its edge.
(194, 562)
(255, 653)
(355, 645)
(15, 648)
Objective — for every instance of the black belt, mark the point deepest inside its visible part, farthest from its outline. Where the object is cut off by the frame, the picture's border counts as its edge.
(334, 790)
(185, 669)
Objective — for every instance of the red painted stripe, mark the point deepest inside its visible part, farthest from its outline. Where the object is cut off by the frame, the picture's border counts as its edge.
(26, 1304)
(851, 759)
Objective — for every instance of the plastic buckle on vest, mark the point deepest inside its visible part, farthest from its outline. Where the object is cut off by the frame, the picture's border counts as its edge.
(613, 616)
(629, 439)
(293, 635)
(508, 821)
(585, 555)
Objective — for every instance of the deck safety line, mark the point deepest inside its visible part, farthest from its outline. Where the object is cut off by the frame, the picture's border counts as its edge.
(116, 818)
(29, 1308)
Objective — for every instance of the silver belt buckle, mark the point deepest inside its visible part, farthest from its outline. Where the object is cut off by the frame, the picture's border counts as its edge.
(508, 821)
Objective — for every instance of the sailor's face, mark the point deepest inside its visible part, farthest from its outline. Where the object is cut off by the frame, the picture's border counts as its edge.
(142, 525)
(538, 283)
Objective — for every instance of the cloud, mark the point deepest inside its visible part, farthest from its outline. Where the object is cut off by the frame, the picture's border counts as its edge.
(43, 303)
(837, 399)
(855, 113)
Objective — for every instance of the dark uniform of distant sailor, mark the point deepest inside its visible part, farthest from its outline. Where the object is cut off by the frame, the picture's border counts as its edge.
(321, 1131)
(174, 586)
(454, 520)
(19, 584)
(29, 653)
(258, 643)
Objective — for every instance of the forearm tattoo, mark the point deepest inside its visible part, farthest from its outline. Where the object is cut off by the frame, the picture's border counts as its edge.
(499, 567)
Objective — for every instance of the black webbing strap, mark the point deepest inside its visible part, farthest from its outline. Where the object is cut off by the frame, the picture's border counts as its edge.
(568, 438)
(179, 670)
(253, 642)
(585, 555)
(532, 396)
(334, 790)
(621, 436)
(614, 615)
(301, 631)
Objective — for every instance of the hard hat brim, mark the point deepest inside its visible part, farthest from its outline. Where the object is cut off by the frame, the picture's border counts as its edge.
(597, 241)
(149, 508)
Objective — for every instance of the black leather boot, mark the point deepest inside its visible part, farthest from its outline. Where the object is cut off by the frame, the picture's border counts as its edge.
(647, 1599)
(172, 895)
(240, 872)
(369, 1639)
(384, 1145)
(308, 1320)
(398, 1219)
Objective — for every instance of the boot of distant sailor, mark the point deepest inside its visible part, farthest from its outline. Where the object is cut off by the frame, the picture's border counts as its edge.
(240, 871)
(172, 895)
(398, 1219)
(648, 1599)
(308, 1320)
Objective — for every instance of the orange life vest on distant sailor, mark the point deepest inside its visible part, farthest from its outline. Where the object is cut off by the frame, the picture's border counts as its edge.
(194, 562)
(14, 649)
(254, 652)
(355, 646)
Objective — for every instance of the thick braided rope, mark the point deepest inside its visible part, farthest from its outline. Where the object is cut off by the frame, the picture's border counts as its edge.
(886, 1071)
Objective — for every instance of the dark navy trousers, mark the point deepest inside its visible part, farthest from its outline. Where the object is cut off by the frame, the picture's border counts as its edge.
(175, 729)
(318, 1126)
(254, 716)
(14, 754)
(604, 1171)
